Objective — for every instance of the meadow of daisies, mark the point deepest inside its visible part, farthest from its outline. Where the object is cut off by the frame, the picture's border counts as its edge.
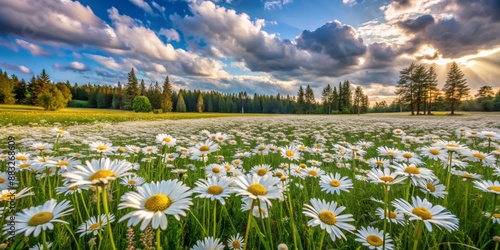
(274, 182)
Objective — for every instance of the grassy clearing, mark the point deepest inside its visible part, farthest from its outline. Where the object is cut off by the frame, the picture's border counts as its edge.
(29, 115)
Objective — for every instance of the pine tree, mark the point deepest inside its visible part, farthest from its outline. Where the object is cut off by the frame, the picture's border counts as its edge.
(455, 87)
(301, 101)
(346, 98)
(181, 105)
(310, 100)
(406, 87)
(358, 99)
(131, 89)
(326, 98)
(142, 88)
(21, 91)
(38, 86)
(166, 96)
(199, 105)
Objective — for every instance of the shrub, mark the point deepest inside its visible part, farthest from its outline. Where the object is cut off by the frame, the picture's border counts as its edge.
(78, 104)
(141, 104)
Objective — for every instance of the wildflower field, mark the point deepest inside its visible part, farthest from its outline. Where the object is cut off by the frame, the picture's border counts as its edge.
(253, 182)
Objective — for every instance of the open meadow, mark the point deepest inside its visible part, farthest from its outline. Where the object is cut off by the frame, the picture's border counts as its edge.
(375, 181)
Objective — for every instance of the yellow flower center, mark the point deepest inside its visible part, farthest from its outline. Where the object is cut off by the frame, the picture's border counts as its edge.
(236, 244)
(434, 151)
(262, 147)
(374, 240)
(60, 131)
(391, 153)
(62, 163)
(101, 147)
(298, 171)
(283, 178)
(95, 226)
(379, 162)
(257, 189)
(40, 218)
(391, 215)
(302, 148)
(216, 170)
(166, 139)
(215, 190)
(302, 165)
(132, 182)
(494, 188)
(387, 178)
(412, 170)
(407, 155)
(289, 153)
(312, 172)
(104, 173)
(496, 216)
(157, 203)
(422, 213)
(355, 150)
(431, 187)
(227, 167)
(2, 180)
(122, 150)
(21, 158)
(278, 174)
(468, 176)
(489, 135)
(24, 165)
(334, 183)
(452, 145)
(479, 156)
(261, 171)
(204, 148)
(327, 217)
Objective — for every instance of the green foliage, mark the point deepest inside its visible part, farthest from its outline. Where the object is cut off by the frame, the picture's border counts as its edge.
(199, 105)
(78, 104)
(455, 87)
(52, 98)
(131, 89)
(166, 96)
(141, 104)
(181, 105)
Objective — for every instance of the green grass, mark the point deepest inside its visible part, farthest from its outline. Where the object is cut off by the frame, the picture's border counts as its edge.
(29, 115)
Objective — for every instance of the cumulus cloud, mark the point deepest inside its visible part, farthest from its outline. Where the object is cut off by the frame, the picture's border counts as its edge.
(56, 21)
(276, 4)
(417, 24)
(73, 66)
(34, 49)
(20, 68)
(170, 34)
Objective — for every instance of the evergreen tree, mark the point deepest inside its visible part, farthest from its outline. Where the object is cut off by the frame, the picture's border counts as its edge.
(432, 83)
(181, 105)
(455, 87)
(335, 99)
(310, 100)
(346, 98)
(301, 101)
(199, 105)
(37, 86)
(117, 101)
(142, 88)
(100, 101)
(21, 91)
(406, 87)
(358, 99)
(326, 98)
(166, 96)
(154, 95)
(131, 89)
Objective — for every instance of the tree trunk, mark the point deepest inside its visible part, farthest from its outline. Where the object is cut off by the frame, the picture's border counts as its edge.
(452, 107)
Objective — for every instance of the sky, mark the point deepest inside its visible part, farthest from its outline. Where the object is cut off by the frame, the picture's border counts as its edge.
(257, 46)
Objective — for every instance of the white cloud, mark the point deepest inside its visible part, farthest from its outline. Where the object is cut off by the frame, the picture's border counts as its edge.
(25, 69)
(170, 34)
(143, 5)
(74, 66)
(276, 4)
(349, 2)
(32, 48)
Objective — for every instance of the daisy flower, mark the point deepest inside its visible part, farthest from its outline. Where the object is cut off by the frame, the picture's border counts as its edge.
(150, 150)
(165, 139)
(428, 213)
(102, 147)
(94, 224)
(214, 188)
(261, 211)
(434, 153)
(133, 149)
(494, 217)
(152, 202)
(314, 172)
(22, 156)
(476, 156)
(365, 144)
(66, 190)
(398, 132)
(384, 176)
(391, 216)
(34, 220)
(488, 186)
(40, 246)
(409, 157)
(9, 195)
(434, 188)
(209, 243)
(450, 146)
(290, 152)
(334, 183)
(204, 148)
(378, 162)
(236, 242)
(416, 174)
(60, 133)
(42, 146)
(261, 170)
(327, 216)
(98, 172)
(5, 182)
(132, 180)
(466, 175)
(256, 187)
(374, 238)
(215, 170)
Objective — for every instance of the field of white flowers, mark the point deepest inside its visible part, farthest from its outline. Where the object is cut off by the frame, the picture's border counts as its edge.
(271, 182)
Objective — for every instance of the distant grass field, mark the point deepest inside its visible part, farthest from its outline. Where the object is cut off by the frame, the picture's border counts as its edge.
(29, 115)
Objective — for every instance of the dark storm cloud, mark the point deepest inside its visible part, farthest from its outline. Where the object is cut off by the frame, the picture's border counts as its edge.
(338, 41)
(479, 8)
(417, 24)
(402, 3)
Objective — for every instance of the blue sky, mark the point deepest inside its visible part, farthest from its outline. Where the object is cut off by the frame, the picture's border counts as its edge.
(262, 46)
